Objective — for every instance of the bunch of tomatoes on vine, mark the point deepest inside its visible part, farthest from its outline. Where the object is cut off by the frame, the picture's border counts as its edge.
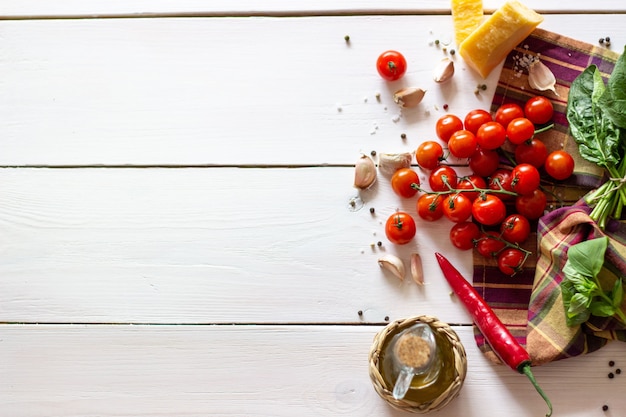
(492, 208)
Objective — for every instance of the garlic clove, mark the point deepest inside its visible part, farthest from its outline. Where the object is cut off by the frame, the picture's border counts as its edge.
(444, 70)
(388, 163)
(392, 264)
(409, 96)
(364, 172)
(417, 270)
(540, 77)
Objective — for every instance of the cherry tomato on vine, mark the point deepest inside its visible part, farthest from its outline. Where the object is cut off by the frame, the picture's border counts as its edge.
(501, 180)
(520, 130)
(464, 235)
(508, 112)
(430, 207)
(539, 110)
(559, 165)
(533, 152)
(400, 228)
(525, 179)
(491, 135)
(488, 209)
(475, 119)
(429, 154)
(402, 181)
(462, 143)
(484, 162)
(447, 125)
(510, 261)
(391, 65)
(489, 244)
(442, 178)
(457, 207)
(471, 182)
(532, 205)
(515, 228)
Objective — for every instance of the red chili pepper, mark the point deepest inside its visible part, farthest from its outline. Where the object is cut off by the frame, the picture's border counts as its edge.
(496, 333)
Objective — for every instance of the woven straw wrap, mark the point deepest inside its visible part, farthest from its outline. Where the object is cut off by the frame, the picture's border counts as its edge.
(385, 390)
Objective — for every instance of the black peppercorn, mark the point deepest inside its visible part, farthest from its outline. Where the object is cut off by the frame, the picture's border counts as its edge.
(386, 318)
(607, 39)
(360, 312)
(403, 135)
(605, 407)
(611, 363)
(618, 371)
(379, 243)
(372, 210)
(611, 375)
(601, 40)
(373, 153)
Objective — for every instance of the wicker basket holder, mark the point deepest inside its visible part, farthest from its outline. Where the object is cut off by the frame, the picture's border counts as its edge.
(385, 391)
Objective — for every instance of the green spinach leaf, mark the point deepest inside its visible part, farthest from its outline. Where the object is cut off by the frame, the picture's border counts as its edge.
(613, 101)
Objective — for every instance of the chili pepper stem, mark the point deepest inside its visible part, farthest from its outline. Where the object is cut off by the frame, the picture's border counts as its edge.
(525, 369)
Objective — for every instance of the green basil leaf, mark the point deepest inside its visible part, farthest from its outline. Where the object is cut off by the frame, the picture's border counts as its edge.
(613, 101)
(618, 293)
(578, 303)
(601, 309)
(586, 258)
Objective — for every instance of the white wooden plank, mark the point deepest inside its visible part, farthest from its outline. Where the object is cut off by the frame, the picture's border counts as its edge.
(228, 90)
(190, 371)
(208, 245)
(89, 8)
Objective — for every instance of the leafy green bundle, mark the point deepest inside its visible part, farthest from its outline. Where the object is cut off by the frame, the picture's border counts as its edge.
(597, 117)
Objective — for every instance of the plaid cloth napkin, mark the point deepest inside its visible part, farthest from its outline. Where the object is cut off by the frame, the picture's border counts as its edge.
(529, 303)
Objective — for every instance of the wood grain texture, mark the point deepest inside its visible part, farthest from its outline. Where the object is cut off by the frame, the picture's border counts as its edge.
(193, 371)
(230, 90)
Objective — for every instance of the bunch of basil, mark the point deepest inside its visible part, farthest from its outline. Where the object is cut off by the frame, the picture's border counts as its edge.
(597, 117)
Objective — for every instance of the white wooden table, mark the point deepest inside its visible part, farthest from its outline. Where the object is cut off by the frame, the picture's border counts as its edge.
(175, 231)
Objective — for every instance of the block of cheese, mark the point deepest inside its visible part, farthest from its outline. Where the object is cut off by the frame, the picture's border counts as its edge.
(491, 42)
(467, 15)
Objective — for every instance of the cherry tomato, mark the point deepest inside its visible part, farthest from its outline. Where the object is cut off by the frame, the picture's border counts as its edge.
(464, 235)
(533, 152)
(489, 244)
(457, 207)
(400, 228)
(520, 130)
(488, 210)
(447, 125)
(462, 143)
(525, 179)
(491, 135)
(531, 205)
(442, 178)
(471, 182)
(429, 154)
(484, 162)
(391, 65)
(539, 110)
(515, 228)
(402, 181)
(501, 180)
(508, 112)
(559, 165)
(430, 207)
(510, 261)
(475, 119)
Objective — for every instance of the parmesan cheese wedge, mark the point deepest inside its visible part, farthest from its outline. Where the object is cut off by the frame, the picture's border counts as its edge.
(467, 15)
(491, 42)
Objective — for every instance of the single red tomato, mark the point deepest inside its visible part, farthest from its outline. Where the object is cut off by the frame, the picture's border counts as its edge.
(533, 152)
(400, 228)
(471, 182)
(501, 180)
(464, 235)
(402, 182)
(475, 119)
(520, 130)
(490, 244)
(462, 143)
(559, 165)
(488, 209)
(484, 162)
(430, 207)
(508, 112)
(515, 228)
(491, 135)
(510, 261)
(442, 178)
(391, 65)
(447, 125)
(429, 154)
(539, 110)
(457, 207)
(531, 205)
(525, 179)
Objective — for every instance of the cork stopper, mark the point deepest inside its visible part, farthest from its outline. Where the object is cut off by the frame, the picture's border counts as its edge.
(413, 350)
